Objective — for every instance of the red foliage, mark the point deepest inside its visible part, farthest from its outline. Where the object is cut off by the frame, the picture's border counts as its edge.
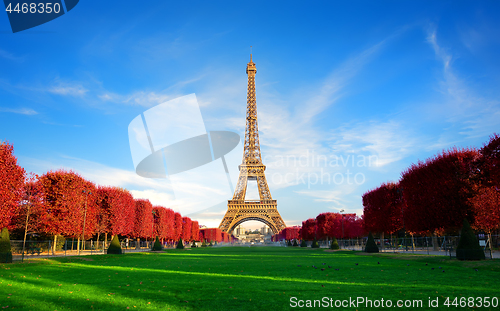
(11, 184)
(225, 237)
(288, 233)
(489, 162)
(195, 230)
(383, 208)
(437, 192)
(32, 206)
(353, 226)
(117, 211)
(170, 224)
(143, 224)
(211, 234)
(308, 230)
(69, 199)
(486, 204)
(186, 229)
(160, 228)
(177, 226)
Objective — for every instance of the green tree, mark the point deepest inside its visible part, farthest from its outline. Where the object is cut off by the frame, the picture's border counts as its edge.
(335, 244)
(468, 246)
(371, 247)
(180, 244)
(115, 247)
(5, 250)
(315, 244)
(157, 245)
(303, 243)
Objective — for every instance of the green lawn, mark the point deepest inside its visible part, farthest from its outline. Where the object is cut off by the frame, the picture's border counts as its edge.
(240, 278)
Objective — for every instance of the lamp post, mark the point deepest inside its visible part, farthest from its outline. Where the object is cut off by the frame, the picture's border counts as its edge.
(27, 219)
(342, 222)
(153, 228)
(84, 218)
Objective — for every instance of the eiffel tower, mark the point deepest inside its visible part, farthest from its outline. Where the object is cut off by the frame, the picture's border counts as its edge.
(238, 209)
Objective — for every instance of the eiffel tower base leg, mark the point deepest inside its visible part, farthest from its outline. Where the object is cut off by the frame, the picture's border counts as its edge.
(240, 211)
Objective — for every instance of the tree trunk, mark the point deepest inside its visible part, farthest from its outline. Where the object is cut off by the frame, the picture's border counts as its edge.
(105, 240)
(435, 243)
(55, 245)
(78, 246)
(382, 241)
(138, 245)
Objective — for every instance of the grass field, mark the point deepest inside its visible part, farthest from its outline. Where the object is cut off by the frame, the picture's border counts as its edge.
(242, 278)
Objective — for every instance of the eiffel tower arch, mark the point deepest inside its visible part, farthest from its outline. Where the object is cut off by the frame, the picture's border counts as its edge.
(252, 169)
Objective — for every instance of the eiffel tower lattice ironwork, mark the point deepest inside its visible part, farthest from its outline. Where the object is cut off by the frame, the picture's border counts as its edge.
(238, 209)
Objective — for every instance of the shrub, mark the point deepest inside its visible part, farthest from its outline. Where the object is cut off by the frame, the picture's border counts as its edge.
(303, 243)
(295, 243)
(289, 243)
(371, 247)
(204, 244)
(180, 244)
(468, 246)
(315, 244)
(211, 244)
(114, 246)
(5, 250)
(335, 244)
(193, 244)
(157, 245)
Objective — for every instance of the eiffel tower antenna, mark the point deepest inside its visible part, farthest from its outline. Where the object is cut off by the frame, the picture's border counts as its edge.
(239, 209)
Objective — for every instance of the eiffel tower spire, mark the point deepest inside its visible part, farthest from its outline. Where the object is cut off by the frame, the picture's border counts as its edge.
(252, 168)
(251, 153)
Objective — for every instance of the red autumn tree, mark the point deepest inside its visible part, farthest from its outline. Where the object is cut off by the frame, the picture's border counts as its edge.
(143, 223)
(437, 192)
(116, 211)
(69, 200)
(186, 229)
(324, 222)
(289, 233)
(486, 205)
(170, 224)
(160, 223)
(488, 164)
(211, 234)
(11, 184)
(382, 209)
(177, 226)
(353, 226)
(195, 229)
(486, 201)
(31, 207)
(308, 230)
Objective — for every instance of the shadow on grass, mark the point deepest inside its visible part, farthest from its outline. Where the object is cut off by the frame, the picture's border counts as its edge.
(227, 279)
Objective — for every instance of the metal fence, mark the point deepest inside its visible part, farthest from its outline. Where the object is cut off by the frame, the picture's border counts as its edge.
(443, 245)
(34, 249)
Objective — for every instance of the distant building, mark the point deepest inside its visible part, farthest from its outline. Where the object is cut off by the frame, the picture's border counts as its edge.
(239, 231)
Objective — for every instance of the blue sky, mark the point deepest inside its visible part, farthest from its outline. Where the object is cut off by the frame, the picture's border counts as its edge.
(393, 82)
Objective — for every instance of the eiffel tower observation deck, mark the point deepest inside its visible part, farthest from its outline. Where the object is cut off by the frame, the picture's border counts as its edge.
(252, 169)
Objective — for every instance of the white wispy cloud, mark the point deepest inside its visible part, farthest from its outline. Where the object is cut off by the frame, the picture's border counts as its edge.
(10, 56)
(476, 114)
(25, 111)
(389, 141)
(70, 89)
